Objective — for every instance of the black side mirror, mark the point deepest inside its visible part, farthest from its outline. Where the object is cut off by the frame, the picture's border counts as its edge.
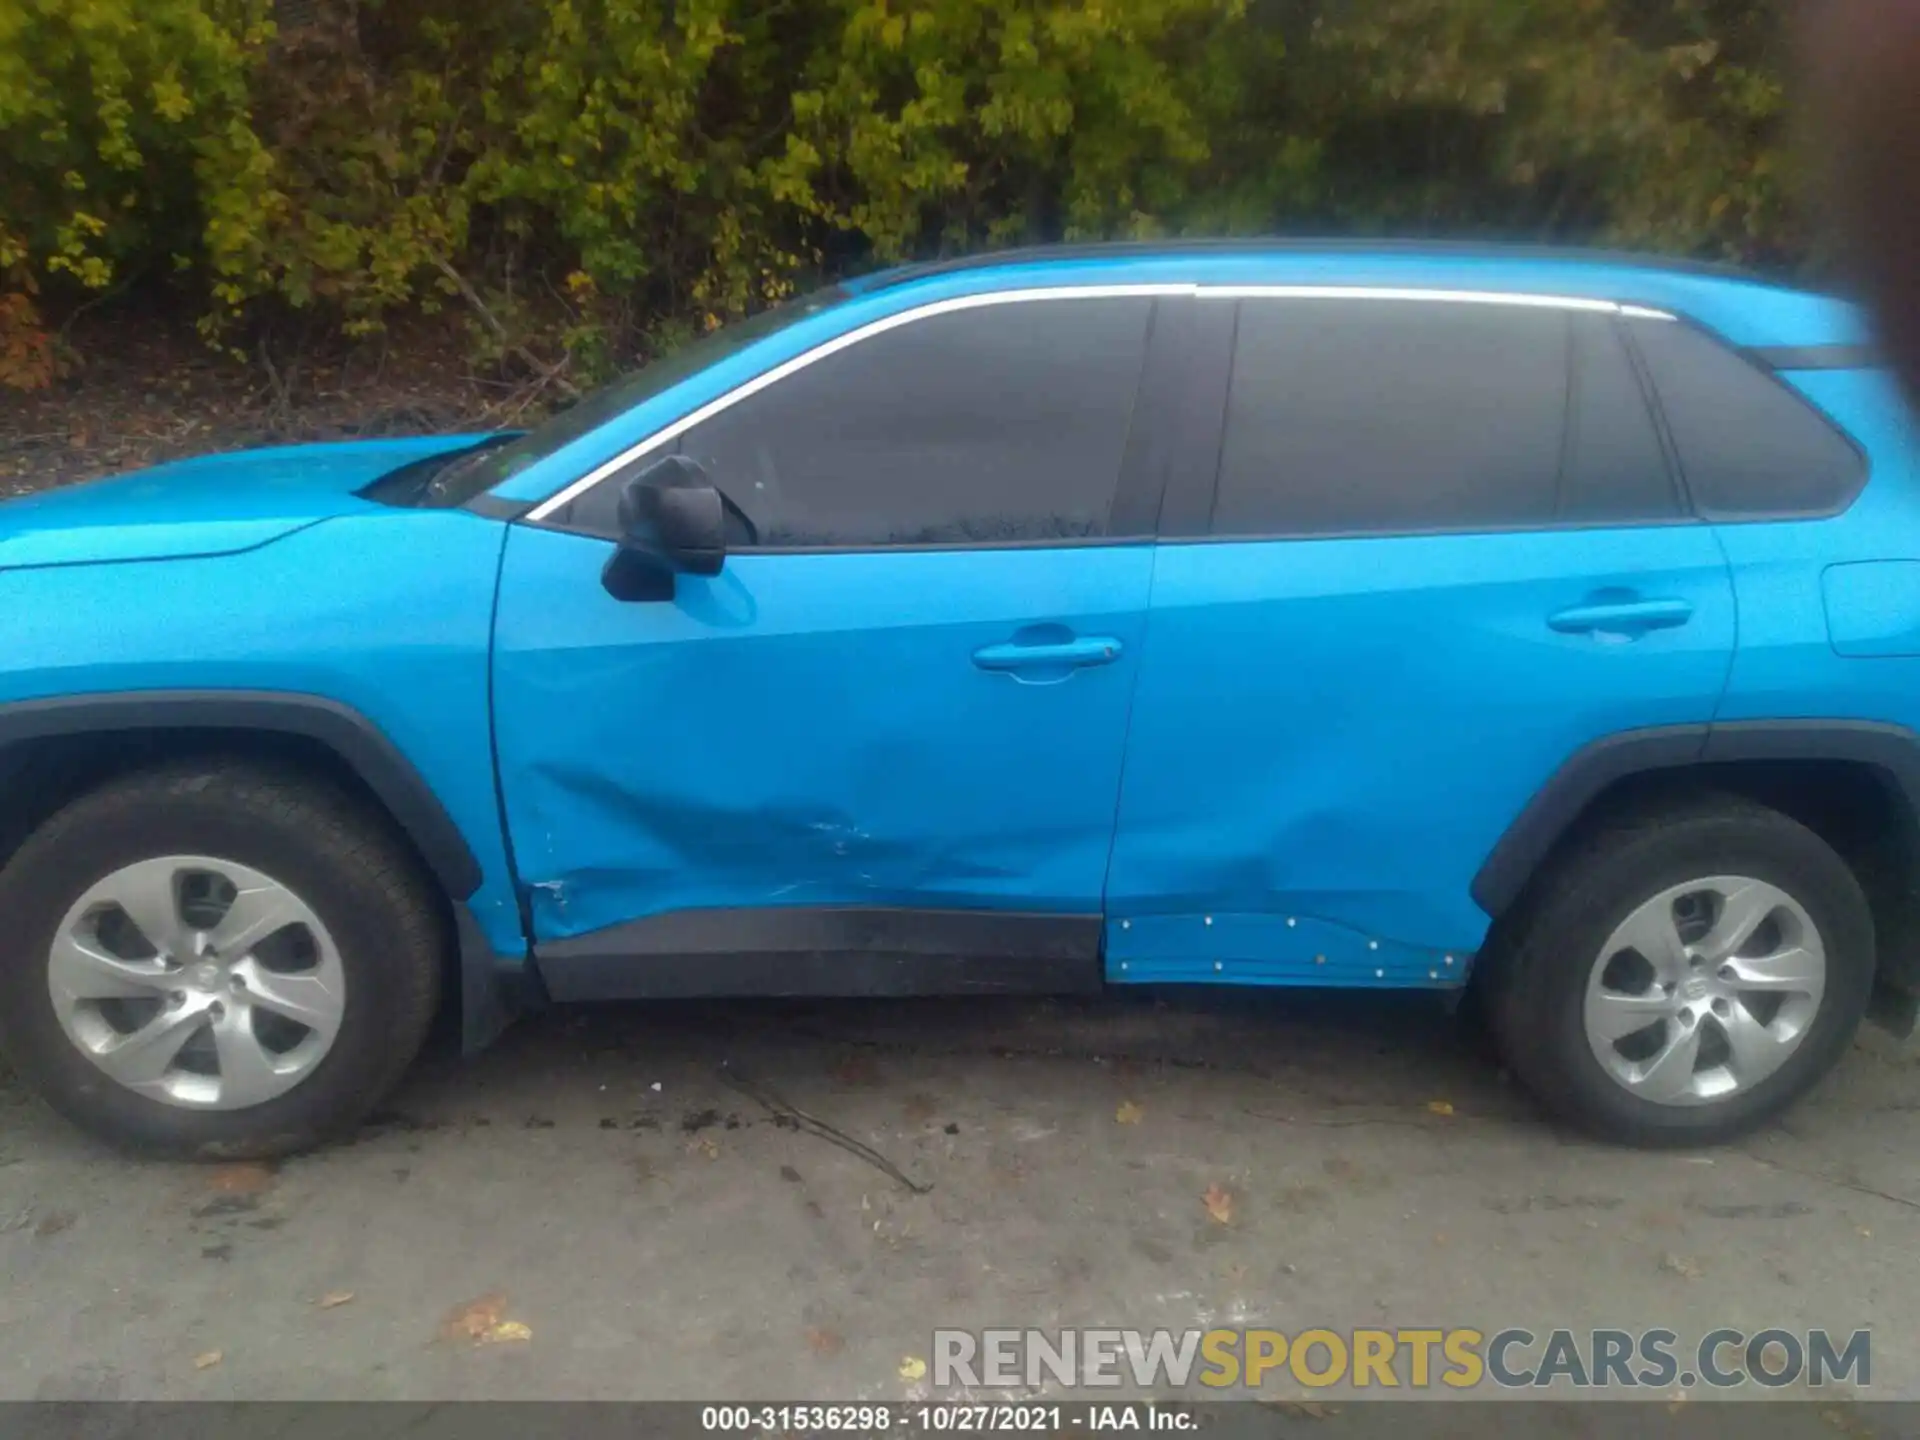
(672, 522)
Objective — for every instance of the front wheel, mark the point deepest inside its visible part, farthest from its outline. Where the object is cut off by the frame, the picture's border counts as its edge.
(215, 960)
(1685, 976)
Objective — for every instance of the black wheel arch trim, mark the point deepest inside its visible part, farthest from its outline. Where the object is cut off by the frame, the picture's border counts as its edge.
(1511, 864)
(356, 740)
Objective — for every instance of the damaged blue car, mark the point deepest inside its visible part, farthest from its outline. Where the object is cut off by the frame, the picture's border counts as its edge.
(1536, 624)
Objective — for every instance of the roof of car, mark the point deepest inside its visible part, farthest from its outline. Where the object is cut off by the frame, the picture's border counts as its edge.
(1279, 247)
(1746, 307)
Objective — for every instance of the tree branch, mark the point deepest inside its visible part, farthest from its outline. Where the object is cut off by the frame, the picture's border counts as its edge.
(549, 373)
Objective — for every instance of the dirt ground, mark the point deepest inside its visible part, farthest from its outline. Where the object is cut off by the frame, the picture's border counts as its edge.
(606, 1180)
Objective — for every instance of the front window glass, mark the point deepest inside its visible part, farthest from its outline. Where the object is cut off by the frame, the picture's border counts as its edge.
(472, 472)
(996, 424)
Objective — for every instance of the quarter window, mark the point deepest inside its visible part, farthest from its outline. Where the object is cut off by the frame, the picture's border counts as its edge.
(1749, 447)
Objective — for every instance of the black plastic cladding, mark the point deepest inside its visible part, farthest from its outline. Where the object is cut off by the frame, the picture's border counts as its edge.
(835, 950)
(1893, 750)
(346, 732)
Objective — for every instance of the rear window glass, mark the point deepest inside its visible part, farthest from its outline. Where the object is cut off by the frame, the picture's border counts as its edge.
(1395, 417)
(1749, 447)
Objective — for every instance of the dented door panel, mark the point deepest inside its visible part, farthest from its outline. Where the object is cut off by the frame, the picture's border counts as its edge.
(814, 729)
(1334, 733)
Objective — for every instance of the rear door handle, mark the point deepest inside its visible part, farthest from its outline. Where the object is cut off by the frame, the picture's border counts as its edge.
(1622, 617)
(1065, 654)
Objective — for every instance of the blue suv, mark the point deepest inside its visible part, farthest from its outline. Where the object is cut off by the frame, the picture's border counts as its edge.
(1535, 624)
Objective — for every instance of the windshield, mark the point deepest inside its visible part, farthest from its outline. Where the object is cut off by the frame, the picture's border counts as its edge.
(470, 472)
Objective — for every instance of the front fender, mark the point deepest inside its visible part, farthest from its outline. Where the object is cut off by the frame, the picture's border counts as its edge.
(368, 633)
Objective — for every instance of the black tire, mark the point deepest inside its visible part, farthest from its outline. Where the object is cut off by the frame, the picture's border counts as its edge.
(363, 885)
(1535, 988)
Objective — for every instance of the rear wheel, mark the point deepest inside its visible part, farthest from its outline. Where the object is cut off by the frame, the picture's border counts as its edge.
(214, 960)
(1684, 976)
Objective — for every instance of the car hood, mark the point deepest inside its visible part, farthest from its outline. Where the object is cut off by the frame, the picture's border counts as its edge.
(213, 505)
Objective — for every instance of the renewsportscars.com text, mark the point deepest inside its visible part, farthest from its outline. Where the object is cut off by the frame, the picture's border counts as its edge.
(1416, 1359)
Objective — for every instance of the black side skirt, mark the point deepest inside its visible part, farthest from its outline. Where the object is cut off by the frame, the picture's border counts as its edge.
(826, 951)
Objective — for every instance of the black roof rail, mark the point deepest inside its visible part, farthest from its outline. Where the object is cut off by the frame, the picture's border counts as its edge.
(1294, 245)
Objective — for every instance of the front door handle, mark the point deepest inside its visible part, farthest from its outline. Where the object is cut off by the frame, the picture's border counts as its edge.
(1060, 655)
(1622, 617)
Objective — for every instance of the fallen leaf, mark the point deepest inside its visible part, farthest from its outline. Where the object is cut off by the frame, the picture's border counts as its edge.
(1440, 1107)
(506, 1330)
(1684, 1268)
(475, 1318)
(1128, 1113)
(1219, 1204)
(246, 1179)
(704, 1146)
(1307, 1409)
(855, 1070)
(823, 1341)
(53, 1224)
(912, 1367)
(333, 1299)
(207, 1361)
(1848, 1425)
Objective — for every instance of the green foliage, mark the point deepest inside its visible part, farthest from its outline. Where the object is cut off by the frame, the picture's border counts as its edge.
(589, 180)
(1654, 126)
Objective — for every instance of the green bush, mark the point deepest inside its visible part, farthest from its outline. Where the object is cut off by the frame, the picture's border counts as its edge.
(590, 180)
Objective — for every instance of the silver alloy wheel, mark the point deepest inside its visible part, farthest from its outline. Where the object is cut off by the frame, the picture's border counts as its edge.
(198, 982)
(1705, 990)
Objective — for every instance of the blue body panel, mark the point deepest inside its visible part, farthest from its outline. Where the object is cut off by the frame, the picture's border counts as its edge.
(1341, 730)
(1825, 620)
(1873, 608)
(212, 505)
(1271, 949)
(386, 611)
(810, 730)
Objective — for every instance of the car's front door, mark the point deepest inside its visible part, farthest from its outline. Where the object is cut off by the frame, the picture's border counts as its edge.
(893, 725)
(1441, 552)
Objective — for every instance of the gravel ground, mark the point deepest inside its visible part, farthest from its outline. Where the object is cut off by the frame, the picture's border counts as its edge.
(603, 1195)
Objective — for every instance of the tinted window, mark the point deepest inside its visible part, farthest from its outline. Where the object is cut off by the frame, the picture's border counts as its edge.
(1748, 446)
(1006, 422)
(1614, 469)
(482, 468)
(1370, 416)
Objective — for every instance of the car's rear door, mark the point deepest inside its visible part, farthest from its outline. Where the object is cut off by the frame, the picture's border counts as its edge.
(1436, 553)
(893, 726)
